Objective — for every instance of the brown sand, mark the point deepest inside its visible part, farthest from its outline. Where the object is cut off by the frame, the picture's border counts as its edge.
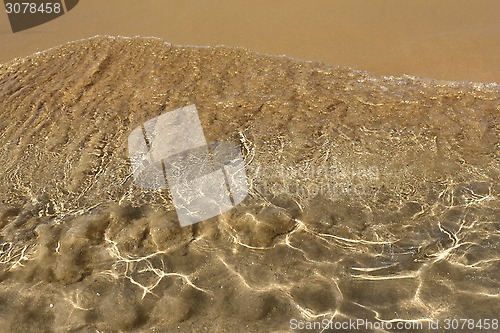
(447, 39)
(405, 229)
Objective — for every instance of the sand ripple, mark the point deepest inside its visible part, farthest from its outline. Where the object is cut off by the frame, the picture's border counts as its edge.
(373, 198)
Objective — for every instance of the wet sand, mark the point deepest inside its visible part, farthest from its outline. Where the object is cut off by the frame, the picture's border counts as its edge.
(370, 197)
(451, 39)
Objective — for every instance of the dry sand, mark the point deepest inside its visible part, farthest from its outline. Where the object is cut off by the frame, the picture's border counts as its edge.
(405, 226)
(447, 39)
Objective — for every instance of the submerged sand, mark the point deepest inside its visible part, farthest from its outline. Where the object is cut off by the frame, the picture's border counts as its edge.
(370, 197)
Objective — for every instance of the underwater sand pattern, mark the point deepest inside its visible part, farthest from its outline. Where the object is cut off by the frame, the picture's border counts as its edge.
(370, 197)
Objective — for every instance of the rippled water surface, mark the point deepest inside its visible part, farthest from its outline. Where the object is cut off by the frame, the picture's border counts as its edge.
(370, 198)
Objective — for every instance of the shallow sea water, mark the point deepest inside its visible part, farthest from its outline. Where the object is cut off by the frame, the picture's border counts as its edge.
(371, 198)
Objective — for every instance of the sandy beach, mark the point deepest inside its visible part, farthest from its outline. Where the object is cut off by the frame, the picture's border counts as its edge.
(329, 166)
(369, 198)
